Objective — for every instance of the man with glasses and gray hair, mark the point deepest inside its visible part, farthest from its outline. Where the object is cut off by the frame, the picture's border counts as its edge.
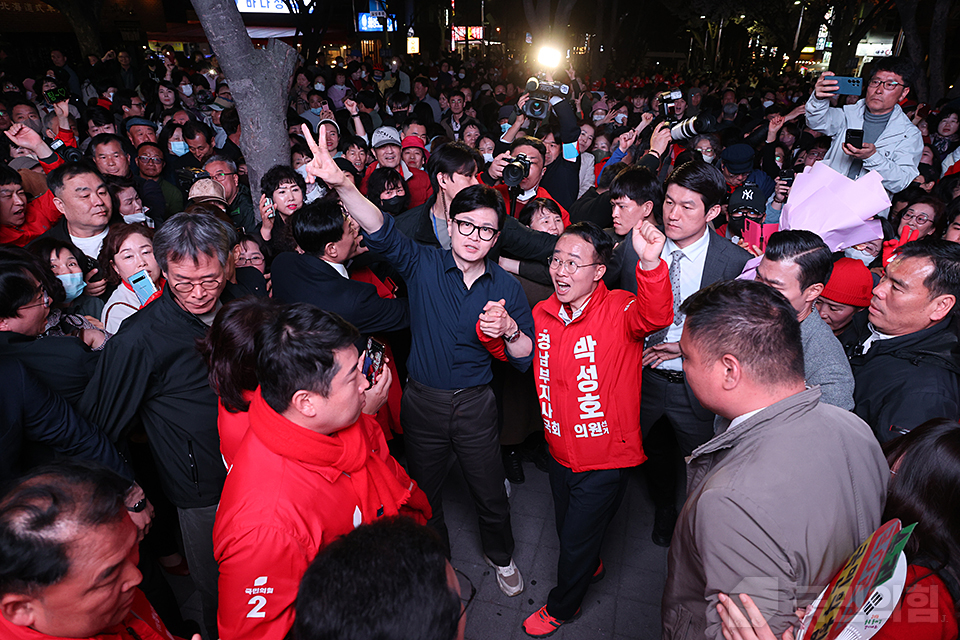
(890, 143)
(152, 372)
(463, 308)
(239, 202)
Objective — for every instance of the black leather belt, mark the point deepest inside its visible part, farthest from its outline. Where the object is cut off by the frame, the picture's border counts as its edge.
(668, 375)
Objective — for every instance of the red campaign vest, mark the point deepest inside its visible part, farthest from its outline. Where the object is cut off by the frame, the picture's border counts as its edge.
(588, 373)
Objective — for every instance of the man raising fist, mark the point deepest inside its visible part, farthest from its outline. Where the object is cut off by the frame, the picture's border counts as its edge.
(588, 369)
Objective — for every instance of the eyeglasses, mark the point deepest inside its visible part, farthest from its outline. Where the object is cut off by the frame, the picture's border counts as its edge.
(568, 265)
(150, 160)
(44, 301)
(467, 228)
(188, 287)
(465, 602)
(242, 262)
(919, 218)
(889, 85)
(220, 175)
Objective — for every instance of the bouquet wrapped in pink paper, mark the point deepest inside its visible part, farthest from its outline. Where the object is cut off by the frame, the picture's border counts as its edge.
(835, 207)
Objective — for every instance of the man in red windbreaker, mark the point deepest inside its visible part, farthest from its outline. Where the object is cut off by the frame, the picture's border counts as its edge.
(310, 469)
(588, 367)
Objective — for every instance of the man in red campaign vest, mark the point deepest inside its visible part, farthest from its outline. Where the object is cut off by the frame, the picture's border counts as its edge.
(310, 469)
(588, 368)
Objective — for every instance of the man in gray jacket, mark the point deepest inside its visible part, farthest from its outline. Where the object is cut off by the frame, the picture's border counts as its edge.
(892, 144)
(797, 264)
(787, 489)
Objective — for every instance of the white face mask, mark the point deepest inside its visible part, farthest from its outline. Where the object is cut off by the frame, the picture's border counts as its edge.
(620, 118)
(708, 157)
(860, 255)
(319, 86)
(187, 90)
(462, 75)
(767, 104)
(597, 117)
(488, 157)
(110, 96)
(793, 98)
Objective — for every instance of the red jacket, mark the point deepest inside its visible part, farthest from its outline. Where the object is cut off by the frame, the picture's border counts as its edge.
(925, 611)
(283, 501)
(142, 620)
(588, 372)
(541, 193)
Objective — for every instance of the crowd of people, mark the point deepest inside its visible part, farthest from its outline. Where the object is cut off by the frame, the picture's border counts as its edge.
(268, 393)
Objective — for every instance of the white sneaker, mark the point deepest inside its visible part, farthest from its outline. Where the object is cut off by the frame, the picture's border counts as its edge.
(508, 577)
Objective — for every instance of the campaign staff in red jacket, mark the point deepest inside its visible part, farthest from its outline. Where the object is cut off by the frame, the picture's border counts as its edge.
(310, 468)
(588, 356)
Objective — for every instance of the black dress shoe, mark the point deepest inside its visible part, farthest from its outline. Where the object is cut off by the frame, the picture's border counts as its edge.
(663, 522)
(512, 465)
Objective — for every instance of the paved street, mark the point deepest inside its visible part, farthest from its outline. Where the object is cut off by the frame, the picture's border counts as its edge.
(625, 604)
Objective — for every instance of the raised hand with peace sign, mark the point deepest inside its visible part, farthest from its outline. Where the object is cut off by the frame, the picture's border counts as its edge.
(322, 166)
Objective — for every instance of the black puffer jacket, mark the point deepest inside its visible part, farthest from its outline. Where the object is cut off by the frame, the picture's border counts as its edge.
(903, 382)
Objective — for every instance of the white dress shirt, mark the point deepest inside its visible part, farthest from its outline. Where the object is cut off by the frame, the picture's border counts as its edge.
(691, 273)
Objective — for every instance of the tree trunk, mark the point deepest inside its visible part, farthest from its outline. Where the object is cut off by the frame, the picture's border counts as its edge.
(914, 46)
(84, 17)
(938, 36)
(259, 80)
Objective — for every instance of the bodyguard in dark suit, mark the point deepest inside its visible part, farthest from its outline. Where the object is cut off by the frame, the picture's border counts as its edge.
(698, 257)
(318, 276)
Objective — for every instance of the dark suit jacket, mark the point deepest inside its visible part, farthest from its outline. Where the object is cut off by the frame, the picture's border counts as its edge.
(303, 278)
(724, 261)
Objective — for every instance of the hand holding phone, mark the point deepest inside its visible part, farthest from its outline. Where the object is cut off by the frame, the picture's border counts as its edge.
(854, 137)
(143, 286)
(271, 209)
(373, 360)
(848, 86)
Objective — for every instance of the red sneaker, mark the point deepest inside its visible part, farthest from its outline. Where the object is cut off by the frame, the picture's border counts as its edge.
(541, 624)
(599, 573)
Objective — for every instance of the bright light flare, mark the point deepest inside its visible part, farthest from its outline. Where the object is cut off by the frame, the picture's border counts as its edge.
(549, 57)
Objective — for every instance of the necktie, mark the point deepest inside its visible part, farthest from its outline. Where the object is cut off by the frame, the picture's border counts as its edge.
(661, 336)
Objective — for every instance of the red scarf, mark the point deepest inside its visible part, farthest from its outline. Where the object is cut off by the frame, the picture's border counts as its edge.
(348, 451)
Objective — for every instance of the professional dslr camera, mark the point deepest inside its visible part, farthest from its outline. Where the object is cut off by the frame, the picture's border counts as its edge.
(686, 129)
(516, 170)
(186, 176)
(538, 105)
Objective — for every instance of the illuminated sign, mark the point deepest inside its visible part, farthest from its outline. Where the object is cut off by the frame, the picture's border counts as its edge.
(367, 22)
(262, 6)
(413, 45)
(462, 34)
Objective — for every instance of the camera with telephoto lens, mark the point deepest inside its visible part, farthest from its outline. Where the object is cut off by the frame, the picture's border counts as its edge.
(186, 176)
(667, 99)
(516, 170)
(692, 127)
(538, 104)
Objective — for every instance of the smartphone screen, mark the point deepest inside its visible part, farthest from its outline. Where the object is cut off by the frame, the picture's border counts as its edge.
(373, 359)
(142, 286)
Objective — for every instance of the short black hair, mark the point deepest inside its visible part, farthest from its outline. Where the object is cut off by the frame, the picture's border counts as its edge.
(9, 176)
(640, 185)
(448, 159)
(382, 581)
(317, 224)
(478, 196)
(194, 129)
(64, 172)
(104, 138)
(39, 517)
(297, 351)
(610, 172)
(805, 249)
(230, 121)
(750, 321)
(98, 116)
(278, 175)
(527, 141)
(592, 233)
(703, 178)
(899, 65)
(945, 256)
(382, 179)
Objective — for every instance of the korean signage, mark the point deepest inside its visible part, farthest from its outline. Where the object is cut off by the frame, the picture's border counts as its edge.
(367, 22)
(262, 6)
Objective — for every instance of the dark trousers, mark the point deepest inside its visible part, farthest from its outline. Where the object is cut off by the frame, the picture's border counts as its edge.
(584, 503)
(439, 422)
(673, 423)
(196, 526)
